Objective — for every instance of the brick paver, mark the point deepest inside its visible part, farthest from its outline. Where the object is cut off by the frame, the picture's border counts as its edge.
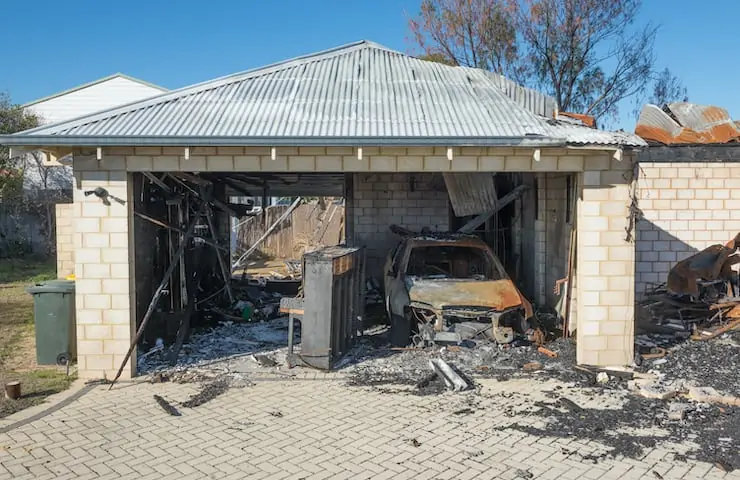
(312, 429)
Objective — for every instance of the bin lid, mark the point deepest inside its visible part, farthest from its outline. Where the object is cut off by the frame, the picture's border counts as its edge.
(52, 286)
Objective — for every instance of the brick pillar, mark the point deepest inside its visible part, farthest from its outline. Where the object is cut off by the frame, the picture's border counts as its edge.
(605, 268)
(104, 326)
(64, 241)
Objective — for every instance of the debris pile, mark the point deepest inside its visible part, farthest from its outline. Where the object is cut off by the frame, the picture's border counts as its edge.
(686, 123)
(375, 363)
(701, 298)
(702, 364)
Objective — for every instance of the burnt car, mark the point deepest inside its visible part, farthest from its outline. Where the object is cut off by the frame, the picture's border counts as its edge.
(446, 288)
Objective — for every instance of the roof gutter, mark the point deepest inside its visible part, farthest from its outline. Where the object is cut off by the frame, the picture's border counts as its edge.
(104, 140)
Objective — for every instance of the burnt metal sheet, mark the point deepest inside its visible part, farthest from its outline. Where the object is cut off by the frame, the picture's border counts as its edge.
(686, 123)
(713, 263)
(471, 193)
(498, 295)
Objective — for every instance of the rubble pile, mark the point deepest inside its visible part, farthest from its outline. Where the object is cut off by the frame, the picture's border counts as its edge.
(682, 316)
(375, 364)
(708, 364)
(210, 349)
(701, 297)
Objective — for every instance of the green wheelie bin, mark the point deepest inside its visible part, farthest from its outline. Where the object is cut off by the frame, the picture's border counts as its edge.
(54, 317)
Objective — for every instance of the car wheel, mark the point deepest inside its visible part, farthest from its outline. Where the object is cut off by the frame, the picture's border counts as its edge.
(400, 331)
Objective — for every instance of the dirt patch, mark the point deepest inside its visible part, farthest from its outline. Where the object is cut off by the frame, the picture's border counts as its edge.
(17, 336)
(35, 387)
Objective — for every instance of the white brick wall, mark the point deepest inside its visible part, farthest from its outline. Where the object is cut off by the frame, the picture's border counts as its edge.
(102, 272)
(687, 207)
(386, 198)
(605, 259)
(64, 241)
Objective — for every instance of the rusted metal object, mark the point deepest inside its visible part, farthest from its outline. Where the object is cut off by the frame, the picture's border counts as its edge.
(587, 120)
(547, 352)
(686, 123)
(498, 295)
(713, 263)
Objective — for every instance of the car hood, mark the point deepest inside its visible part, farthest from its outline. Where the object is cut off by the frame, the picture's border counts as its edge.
(498, 295)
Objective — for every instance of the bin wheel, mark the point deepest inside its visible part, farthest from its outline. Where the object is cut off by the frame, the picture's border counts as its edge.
(63, 359)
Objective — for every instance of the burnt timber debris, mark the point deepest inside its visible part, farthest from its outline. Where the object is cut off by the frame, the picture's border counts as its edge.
(700, 300)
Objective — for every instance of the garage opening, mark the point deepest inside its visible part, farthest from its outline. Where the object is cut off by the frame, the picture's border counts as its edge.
(212, 248)
(527, 220)
(193, 231)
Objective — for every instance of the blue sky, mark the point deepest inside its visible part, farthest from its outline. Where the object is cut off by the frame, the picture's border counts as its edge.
(174, 44)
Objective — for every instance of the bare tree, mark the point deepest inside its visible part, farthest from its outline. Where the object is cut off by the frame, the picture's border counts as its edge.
(668, 88)
(471, 33)
(588, 54)
(665, 88)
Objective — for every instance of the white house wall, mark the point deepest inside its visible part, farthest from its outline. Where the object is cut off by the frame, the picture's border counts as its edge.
(100, 96)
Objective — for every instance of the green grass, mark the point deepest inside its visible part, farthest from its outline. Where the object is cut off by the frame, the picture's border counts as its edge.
(17, 345)
(26, 270)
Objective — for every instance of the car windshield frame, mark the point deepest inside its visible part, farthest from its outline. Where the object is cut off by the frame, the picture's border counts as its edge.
(496, 268)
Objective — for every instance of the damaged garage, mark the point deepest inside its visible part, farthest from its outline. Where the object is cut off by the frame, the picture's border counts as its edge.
(462, 194)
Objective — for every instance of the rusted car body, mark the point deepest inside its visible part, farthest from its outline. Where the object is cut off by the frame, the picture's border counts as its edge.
(451, 287)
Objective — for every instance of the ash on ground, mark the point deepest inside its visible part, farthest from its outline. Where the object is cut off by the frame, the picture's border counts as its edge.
(230, 350)
(709, 363)
(712, 431)
(627, 428)
(374, 363)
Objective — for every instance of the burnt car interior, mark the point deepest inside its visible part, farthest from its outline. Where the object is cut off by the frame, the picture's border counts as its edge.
(453, 261)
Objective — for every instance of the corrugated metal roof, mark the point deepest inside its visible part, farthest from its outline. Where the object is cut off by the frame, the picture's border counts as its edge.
(686, 123)
(534, 101)
(471, 193)
(582, 135)
(355, 94)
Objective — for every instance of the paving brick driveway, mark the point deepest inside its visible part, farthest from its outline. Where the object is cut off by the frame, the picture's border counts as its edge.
(309, 428)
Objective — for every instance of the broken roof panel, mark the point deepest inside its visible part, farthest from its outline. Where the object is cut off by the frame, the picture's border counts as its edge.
(578, 134)
(686, 123)
(361, 93)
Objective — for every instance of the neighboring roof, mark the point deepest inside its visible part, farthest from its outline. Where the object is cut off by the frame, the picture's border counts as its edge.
(90, 84)
(687, 124)
(360, 93)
